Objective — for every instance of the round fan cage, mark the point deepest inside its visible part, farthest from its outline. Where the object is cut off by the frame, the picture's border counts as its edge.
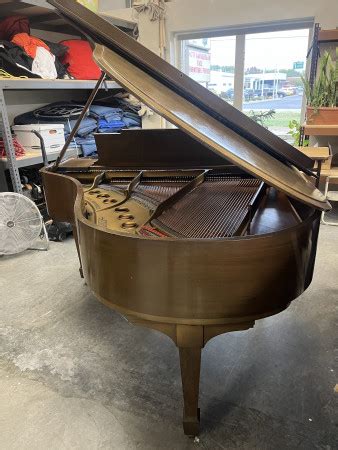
(20, 223)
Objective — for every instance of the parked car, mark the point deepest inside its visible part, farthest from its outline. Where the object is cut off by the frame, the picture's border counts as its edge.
(265, 93)
(289, 90)
(228, 94)
(248, 94)
(269, 93)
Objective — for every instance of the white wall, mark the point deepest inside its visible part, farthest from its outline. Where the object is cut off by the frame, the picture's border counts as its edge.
(108, 5)
(191, 15)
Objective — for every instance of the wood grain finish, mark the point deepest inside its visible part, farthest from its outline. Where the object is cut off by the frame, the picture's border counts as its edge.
(262, 273)
(193, 290)
(155, 148)
(328, 35)
(321, 130)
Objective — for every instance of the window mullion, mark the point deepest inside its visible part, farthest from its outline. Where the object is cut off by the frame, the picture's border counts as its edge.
(239, 71)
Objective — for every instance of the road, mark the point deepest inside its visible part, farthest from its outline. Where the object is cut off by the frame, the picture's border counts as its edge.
(288, 102)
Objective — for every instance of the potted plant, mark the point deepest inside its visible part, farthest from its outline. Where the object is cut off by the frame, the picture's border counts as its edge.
(323, 95)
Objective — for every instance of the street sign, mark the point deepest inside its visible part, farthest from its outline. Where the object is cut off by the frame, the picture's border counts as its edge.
(298, 65)
(199, 64)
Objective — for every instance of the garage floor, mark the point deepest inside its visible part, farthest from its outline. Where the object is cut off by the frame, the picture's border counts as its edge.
(76, 375)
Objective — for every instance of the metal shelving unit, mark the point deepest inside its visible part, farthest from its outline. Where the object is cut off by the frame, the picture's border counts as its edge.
(42, 16)
(10, 151)
(36, 83)
(11, 163)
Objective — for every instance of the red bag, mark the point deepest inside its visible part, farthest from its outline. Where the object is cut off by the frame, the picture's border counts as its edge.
(78, 60)
(13, 25)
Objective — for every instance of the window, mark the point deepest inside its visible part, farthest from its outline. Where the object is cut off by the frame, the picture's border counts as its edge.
(211, 62)
(274, 65)
(258, 72)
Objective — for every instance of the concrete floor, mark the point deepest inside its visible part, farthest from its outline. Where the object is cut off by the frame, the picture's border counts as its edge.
(76, 375)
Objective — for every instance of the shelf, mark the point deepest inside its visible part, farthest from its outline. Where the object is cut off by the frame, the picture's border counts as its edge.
(34, 157)
(332, 196)
(333, 172)
(43, 16)
(36, 83)
(320, 130)
(328, 36)
(316, 153)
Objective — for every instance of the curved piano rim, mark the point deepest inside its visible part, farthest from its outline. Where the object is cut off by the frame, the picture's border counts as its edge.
(174, 316)
(236, 321)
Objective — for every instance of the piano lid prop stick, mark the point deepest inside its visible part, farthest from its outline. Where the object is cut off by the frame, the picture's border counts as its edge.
(79, 120)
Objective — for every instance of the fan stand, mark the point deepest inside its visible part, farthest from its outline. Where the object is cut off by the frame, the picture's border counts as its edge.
(42, 238)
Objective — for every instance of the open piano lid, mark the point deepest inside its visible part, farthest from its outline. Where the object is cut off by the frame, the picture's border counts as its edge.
(191, 107)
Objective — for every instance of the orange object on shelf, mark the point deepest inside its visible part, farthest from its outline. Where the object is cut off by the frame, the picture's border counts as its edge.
(29, 43)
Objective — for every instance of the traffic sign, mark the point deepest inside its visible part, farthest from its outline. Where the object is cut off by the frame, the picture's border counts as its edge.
(298, 65)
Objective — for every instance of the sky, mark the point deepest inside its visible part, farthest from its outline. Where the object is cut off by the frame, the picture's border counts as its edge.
(277, 50)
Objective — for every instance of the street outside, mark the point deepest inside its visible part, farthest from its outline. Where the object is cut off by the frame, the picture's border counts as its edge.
(287, 109)
(288, 102)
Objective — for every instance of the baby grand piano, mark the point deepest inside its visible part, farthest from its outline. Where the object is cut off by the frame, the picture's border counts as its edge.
(194, 231)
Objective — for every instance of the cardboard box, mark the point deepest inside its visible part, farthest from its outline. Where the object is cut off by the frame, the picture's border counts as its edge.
(52, 134)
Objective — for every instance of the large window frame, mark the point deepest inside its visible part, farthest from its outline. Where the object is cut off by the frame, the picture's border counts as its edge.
(240, 32)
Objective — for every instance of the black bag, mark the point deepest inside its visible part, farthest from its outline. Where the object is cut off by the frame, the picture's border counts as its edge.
(15, 61)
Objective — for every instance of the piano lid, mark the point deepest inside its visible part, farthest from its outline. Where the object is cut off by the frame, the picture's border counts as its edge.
(103, 32)
(194, 109)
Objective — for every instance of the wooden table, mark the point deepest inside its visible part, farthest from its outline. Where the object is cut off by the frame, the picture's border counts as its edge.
(317, 154)
(320, 130)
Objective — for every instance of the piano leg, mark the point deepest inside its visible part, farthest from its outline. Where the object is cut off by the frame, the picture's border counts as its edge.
(190, 359)
(76, 238)
(190, 340)
(190, 344)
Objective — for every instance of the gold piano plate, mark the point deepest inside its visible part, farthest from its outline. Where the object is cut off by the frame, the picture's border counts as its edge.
(152, 208)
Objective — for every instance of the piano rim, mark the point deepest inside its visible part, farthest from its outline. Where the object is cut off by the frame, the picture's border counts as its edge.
(238, 322)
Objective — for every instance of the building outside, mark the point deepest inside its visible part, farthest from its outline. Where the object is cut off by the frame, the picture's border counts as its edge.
(221, 81)
(261, 81)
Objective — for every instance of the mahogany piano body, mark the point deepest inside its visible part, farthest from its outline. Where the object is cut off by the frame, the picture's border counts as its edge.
(194, 231)
(192, 289)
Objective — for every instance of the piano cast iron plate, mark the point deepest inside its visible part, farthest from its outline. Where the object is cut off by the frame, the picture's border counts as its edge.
(218, 207)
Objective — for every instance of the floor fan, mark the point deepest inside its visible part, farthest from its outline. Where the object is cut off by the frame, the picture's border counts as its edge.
(21, 224)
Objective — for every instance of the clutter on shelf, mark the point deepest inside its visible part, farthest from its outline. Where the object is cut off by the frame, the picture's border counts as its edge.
(108, 115)
(52, 135)
(25, 55)
(18, 148)
(78, 60)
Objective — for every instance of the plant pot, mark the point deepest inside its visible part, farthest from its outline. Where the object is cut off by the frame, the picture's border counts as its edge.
(321, 116)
